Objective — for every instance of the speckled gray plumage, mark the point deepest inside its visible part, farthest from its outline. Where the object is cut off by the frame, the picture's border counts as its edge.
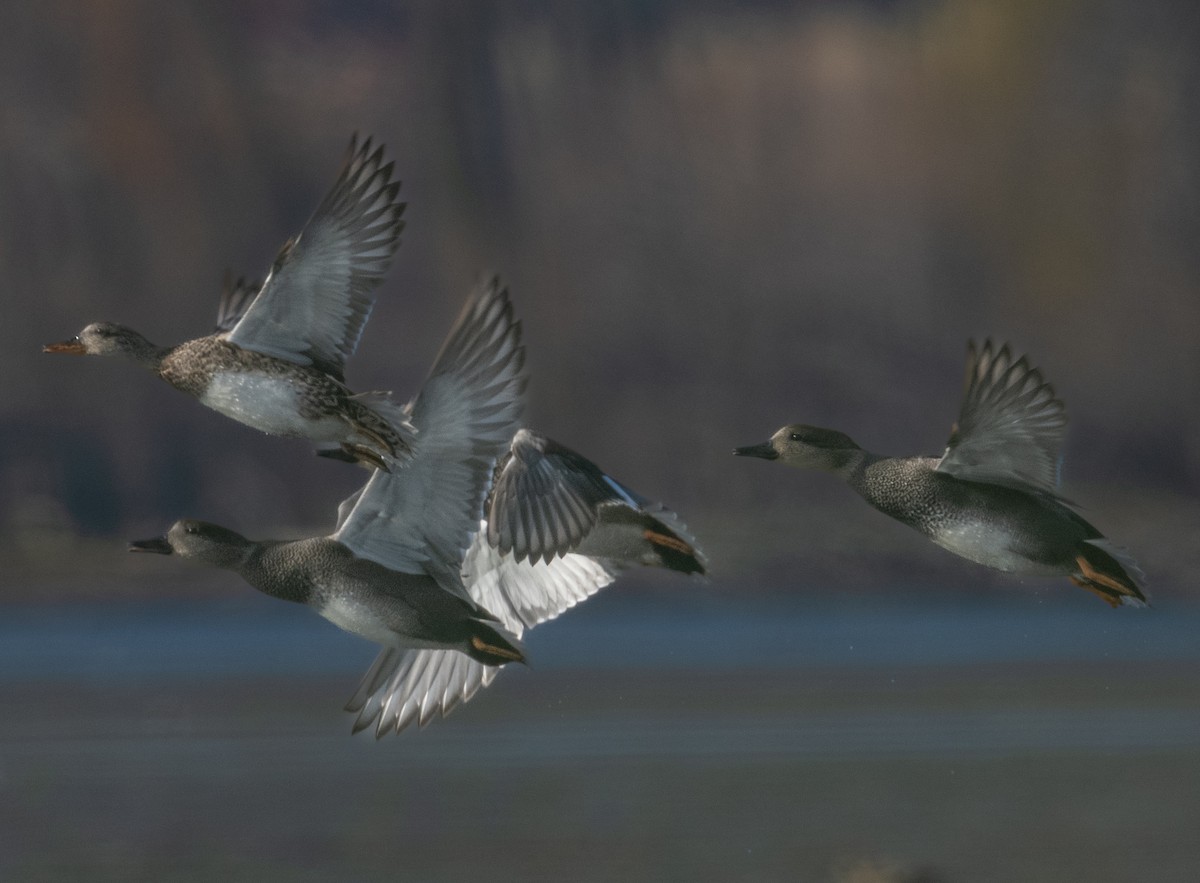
(992, 497)
(1002, 527)
(399, 610)
(325, 575)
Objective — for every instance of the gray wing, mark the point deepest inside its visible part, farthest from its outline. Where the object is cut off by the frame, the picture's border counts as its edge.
(527, 593)
(404, 686)
(545, 498)
(313, 305)
(419, 518)
(236, 298)
(1011, 426)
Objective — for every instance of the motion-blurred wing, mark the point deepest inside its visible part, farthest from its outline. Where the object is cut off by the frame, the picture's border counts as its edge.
(313, 305)
(1010, 428)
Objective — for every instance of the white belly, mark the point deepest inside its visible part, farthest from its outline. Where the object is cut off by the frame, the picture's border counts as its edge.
(268, 403)
(988, 544)
(359, 619)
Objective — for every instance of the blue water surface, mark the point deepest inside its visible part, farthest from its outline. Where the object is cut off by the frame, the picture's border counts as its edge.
(257, 635)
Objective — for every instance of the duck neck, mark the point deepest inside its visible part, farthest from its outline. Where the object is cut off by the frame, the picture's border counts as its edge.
(146, 354)
(850, 463)
(234, 557)
(279, 568)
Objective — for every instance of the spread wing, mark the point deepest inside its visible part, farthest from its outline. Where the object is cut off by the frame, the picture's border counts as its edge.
(419, 518)
(564, 531)
(313, 305)
(1011, 426)
(545, 498)
(404, 686)
(527, 593)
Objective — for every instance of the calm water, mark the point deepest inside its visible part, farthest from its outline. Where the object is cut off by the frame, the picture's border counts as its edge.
(256, 635)
(765, 739)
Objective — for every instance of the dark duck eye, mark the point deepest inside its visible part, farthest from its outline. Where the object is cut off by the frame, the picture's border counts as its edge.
(795, 436)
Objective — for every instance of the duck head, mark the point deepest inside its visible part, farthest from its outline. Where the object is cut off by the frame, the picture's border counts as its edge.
(200, 540)
(105, 339)
(806, 447)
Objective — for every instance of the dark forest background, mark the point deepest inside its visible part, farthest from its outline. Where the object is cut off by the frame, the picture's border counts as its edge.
(714, 219)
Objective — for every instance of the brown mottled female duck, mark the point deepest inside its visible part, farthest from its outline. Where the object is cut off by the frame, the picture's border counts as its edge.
(276, 361)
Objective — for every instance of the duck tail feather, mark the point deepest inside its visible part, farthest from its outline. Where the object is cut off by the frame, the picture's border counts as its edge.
(1109, 571)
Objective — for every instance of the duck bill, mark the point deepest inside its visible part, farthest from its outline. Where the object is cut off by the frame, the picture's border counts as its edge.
(73, 347)
(763, 451)
(157, 545)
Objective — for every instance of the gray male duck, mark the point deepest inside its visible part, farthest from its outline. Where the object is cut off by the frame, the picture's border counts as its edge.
(277, 359)
(992, 497)
(394, 577)
(555, 530)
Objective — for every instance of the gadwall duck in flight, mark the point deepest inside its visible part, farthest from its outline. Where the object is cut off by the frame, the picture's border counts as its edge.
(556, 530)
(992, 497)
(395, 578)
(276, 361)
(559, 529)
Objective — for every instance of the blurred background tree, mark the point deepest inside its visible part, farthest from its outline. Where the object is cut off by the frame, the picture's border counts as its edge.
(714, 218)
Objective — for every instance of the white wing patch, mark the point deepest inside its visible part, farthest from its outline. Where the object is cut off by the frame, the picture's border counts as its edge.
(417, 685)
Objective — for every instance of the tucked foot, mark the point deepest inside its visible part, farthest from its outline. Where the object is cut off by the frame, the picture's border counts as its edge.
(359, 454)
(1104, 595)
(483, 647)
(674, 552)
(492, 646)
(380, 442)
(1107, 586)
